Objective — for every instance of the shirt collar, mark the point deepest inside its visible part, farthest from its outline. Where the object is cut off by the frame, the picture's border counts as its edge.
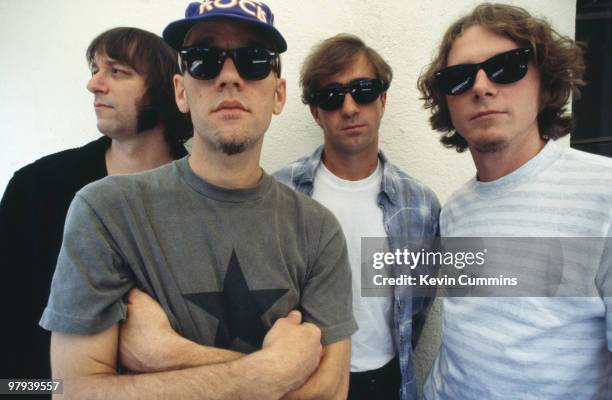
(305, 172)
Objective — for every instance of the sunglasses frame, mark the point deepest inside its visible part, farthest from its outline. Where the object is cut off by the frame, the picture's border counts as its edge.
(221, 55)
(522, 55)
(319, 96)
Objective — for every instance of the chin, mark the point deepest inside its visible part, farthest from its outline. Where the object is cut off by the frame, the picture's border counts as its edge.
(107, 131)
(232, 140)
(235, 146)
(232, 148)
(489, 146)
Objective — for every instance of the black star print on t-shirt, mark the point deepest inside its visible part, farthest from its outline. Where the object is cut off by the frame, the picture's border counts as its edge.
(237, 308)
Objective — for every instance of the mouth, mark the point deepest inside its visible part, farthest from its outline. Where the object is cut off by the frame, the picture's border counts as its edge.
(486, 114)
(230, 105)
(101, 106)
(353, 127)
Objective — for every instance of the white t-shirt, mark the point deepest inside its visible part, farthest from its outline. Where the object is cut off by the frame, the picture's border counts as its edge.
(355, 204)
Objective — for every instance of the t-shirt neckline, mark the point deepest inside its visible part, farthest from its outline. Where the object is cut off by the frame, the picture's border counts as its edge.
(366, 183)
(548, 155)
(219, 193)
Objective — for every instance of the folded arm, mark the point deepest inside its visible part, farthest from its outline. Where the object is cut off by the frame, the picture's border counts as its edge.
(87, 364)
(148, 343)
(331, 378)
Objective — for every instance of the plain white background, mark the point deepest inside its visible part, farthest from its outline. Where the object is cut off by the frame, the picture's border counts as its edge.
(46, 108)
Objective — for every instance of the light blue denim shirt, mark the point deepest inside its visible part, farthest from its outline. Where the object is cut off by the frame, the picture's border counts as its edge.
(410, 210)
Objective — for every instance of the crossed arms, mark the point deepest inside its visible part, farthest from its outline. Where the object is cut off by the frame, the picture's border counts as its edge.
(291, 365)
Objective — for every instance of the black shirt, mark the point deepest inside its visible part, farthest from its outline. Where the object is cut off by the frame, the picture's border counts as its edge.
(32, 215)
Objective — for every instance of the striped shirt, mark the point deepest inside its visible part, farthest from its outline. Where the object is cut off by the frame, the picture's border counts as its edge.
(529, 348)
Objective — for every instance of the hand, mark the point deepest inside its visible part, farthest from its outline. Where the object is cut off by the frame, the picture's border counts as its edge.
(146, 338)
(296, 347)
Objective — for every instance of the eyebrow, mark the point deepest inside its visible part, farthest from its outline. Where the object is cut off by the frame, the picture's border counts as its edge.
(202, 42)
(255, 43)
(109, 62)
(334, 83)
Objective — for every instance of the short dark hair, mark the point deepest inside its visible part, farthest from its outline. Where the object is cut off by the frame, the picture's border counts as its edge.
(559, 59)
(157, 62)
(334, 55)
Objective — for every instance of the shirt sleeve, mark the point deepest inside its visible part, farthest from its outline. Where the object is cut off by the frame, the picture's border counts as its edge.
(21, 273)
(327, 296)
(15, 244)
(604, 284)
(422, 304)
(90, 280)
(17, 219)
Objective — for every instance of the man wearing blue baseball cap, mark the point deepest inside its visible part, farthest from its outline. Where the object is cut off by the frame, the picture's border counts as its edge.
(228, 254)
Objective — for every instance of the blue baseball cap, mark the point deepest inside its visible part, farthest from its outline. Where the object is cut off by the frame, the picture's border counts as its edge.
(255, 13)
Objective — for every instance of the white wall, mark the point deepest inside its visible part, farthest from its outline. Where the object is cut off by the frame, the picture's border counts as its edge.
(46, 108)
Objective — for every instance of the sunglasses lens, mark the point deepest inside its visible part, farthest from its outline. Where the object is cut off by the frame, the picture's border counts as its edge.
(366, 91)
(207, 62)
(363, 91)
(507, 67)
(203, 63)
(457, 79)
(330, 98)
(253, 63)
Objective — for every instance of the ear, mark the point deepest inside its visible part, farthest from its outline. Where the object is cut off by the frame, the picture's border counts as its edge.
(383, 99)
(314, 110)
(280, 96)
(179, 93)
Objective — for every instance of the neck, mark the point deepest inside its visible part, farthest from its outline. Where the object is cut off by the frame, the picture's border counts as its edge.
(351, 167)
(139, 152)
(494, 165)
(238, 171)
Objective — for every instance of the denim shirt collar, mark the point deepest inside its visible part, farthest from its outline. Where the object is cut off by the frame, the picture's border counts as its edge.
(303, 176)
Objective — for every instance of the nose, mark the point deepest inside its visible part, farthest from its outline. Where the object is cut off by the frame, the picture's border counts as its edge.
(350, 107)
(483, 85)
(229, 75)
(97, 83)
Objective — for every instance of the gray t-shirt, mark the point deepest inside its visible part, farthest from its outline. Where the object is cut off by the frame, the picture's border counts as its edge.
(224, 264)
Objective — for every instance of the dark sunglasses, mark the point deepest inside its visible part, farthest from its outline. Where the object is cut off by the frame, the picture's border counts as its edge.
(506, 67)
(252, 63)
(363, 91)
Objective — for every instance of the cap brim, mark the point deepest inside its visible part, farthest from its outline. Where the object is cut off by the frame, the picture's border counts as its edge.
(174, 34)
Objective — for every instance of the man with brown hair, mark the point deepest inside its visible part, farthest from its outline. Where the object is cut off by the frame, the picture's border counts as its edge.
(499, 86)
(142, 128)
(345, 84)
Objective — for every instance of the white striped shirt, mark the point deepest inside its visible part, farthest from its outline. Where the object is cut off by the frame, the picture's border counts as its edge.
(529, 348)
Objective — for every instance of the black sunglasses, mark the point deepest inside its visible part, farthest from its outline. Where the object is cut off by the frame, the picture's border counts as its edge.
(506, 67)
(363, 91)
(252, 63)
